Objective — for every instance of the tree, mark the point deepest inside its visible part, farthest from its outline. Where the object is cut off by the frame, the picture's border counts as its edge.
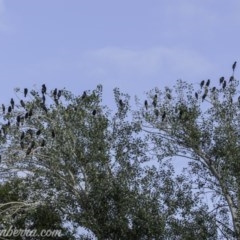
(202, 126)
(93, 168)
(40, 217)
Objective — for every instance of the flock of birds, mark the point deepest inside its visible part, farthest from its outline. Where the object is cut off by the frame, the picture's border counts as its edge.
(26, 137)
(222, 81)
(58, 93)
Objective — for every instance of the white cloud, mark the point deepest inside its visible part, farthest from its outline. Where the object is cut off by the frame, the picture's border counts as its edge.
(118, 63)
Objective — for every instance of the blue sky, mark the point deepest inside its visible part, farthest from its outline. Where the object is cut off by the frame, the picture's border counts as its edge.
(135, 45)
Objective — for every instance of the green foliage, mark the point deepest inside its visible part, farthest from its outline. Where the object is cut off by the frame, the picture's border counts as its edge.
(203, 126)
(93, 168)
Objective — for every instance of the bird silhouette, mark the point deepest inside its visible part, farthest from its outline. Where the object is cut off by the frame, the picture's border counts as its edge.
(25, 92)
(121, 103)
(59, 94)
(55, 92)
(234, 66)
(9, 109)
(202, 83)
(156, 112)
(204, 96)
(163, 116)
(18, 118)
(196, 95)
(224, 84)
(44, 89)
(3, 108)
(231, 78)
(208, 83)
(146, 104)
(22, 103)
(38, 132)
(12, 103)
(221, 80)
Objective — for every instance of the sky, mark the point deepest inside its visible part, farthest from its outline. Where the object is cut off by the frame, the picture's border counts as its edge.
(134, 45)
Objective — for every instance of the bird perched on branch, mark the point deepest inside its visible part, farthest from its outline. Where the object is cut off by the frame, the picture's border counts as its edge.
(196, 95)
(231, 78)
(44, 89)
(234, 66)
(25, 92)
(224, 84)
(208, 83)
(3, 108)
(221, 80)
(22, 103)
(204, 96)
(59, 94)
(9, 109)
(213, 89)
(38, 132)
(202, 83)
(18, 118)
(55, 92)
(12, 103)
(121, 103)
(155, 101)
(146, 104)
(26, 115)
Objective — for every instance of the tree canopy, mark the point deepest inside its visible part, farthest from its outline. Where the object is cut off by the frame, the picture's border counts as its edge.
(70, 160)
